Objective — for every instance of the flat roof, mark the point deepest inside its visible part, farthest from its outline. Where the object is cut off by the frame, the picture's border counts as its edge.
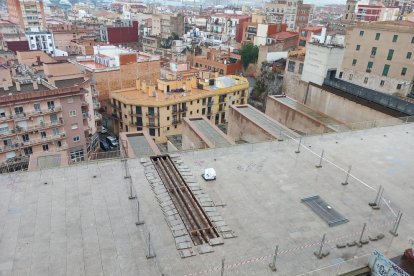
(321, 117)
(79, 220)
(139, 97)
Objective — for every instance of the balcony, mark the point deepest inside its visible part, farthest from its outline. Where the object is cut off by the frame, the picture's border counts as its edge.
(98, 117)
(176, 122)
(32, 113)
(372, 56)
(85, 115)
(96, 105)
(151, 115)
(153, 125)
(134, 114)
(20, 130)
(368, 70)
(32, 142)
(6, 118)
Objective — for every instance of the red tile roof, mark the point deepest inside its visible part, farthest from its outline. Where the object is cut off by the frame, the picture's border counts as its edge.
(283, 35)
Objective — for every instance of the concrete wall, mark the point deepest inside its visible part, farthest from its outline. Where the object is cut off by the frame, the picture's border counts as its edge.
(294, 119)
(240, 128)
(341, 108)
(190, 139)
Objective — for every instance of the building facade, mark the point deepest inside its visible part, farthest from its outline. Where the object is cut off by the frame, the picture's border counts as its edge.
(41, 41)
(28, 14)
(159, 108)
(37, 116)
(380, 56)
(223, 62)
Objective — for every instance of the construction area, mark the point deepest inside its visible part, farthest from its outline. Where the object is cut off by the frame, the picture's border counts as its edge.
(310, 205)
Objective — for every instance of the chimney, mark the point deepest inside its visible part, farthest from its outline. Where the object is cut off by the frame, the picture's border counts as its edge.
(35, 85)
(18, 88)
(13, 71)
(38, 60)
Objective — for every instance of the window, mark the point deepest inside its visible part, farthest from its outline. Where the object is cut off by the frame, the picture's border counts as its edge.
(300, 68)
(45, 147)
(18, 110)
(340, 74)
(72, 113)
(76, 139)
(385, 70)
(55, 131)
(377, 36)
(390, 54)
(369, 66)
(399, 86)
(403, 71)
(373, 51)
(43, 134)
(51, 105)
(28, 151)
(152, 131)
(361, 33)
(74, 126)
(382, 83)
(358, 47)
(409, 55)
(354, 61)
(70, 100)
(77, 156)
(37, 107)
(365, 80)
(412, 40)
(25, 138)
(395, 38)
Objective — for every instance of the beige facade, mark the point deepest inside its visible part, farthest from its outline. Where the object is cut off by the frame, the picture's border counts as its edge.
(379, 56)
(28, 14)
(159, 108)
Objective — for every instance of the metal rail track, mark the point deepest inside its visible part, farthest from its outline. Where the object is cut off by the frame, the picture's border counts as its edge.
(198, 224)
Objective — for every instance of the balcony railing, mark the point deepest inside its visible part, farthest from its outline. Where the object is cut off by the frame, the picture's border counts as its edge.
(17, 144)
(152, 115)
(134, 114)
(40, 126)
(153, 125)
(27, 114)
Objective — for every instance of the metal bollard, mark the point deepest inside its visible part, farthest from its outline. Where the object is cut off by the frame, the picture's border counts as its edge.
(396, 224)
(139, 222)
(150, 254)
(131, 195)
(222, 267)
(300, 143)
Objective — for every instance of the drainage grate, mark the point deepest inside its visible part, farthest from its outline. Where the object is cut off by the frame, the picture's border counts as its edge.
(324, 210)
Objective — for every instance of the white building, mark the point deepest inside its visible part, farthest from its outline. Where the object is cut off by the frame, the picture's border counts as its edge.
(319, 59)
(41, 41)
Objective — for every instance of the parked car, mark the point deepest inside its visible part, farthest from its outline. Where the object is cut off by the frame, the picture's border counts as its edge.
(113, 143)
(103, 129)
(104, 145)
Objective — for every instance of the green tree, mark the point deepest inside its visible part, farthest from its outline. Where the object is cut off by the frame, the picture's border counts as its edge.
(249, 54)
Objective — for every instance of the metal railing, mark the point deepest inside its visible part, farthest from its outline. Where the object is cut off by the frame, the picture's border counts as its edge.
(385, 100)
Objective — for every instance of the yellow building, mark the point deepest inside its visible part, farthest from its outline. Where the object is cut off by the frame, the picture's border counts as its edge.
(159, 108)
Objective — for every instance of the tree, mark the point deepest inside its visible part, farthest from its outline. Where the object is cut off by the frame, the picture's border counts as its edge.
(249, 54)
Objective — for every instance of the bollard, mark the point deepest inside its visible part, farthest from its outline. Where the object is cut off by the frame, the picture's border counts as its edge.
(272, 265)
(280, 138)
(300, 143)
(139, 222)
(347, 176)
(222, 267)
(150, 254)
(131, 195)
(320, 161)
(396, 224)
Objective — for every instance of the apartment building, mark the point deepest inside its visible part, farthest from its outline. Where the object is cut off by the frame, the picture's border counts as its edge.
(230, 25)
(164, 25)
(28, 14)
(42, 41)
(379, 56)
(159, 108)
(223, 62)
(45, 115)
(260, 33)
(282, 11)
(304, 15)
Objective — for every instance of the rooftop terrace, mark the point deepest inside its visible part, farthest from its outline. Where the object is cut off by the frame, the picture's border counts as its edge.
(78, 220)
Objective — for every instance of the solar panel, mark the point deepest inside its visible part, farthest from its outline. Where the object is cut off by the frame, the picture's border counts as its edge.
(324, 210)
